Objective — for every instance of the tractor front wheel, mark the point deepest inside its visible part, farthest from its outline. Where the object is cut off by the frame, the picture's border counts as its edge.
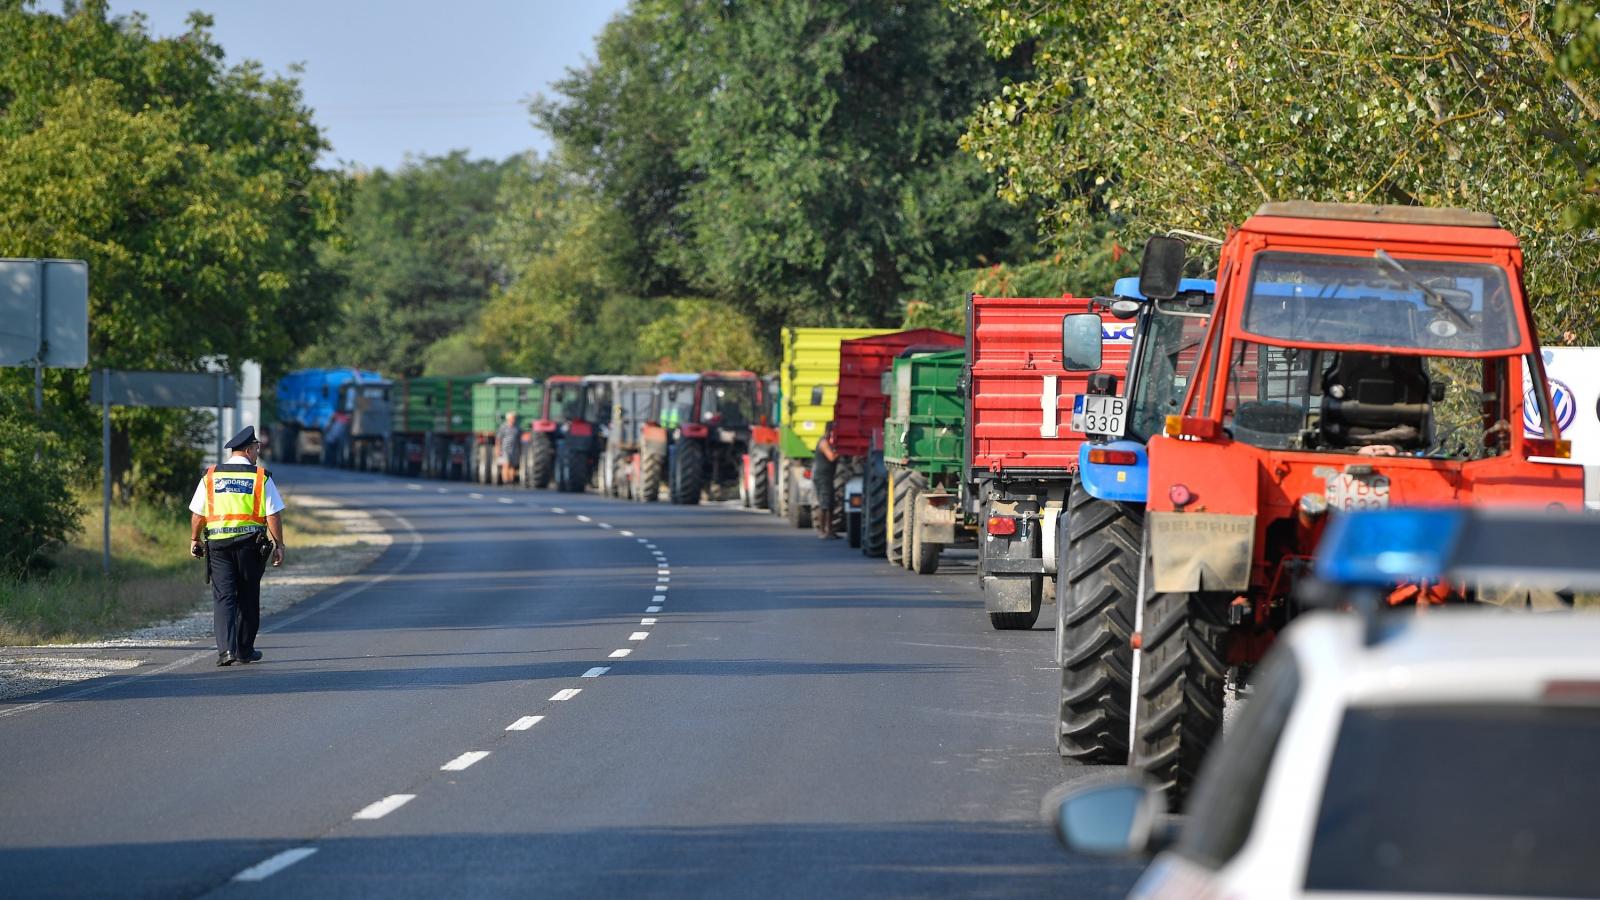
(652, 471)
(688, 470)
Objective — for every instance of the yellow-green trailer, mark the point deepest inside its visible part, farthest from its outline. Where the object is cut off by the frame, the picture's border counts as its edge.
(809, 380)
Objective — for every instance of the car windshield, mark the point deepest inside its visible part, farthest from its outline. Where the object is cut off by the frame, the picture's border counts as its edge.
(1382, 301)
(1460, 800)
(1167, 355)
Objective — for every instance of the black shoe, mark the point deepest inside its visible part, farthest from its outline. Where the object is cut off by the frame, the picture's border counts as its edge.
(225, 659)
(255, 656)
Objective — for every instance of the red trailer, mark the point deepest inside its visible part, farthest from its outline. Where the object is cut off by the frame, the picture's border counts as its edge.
(861, 484)
(1021, 455)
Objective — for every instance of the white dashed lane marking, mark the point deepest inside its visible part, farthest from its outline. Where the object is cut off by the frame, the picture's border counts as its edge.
(638, 635)
(507, 500)
(585, 519)
(659, 598)
(443, 490)
(647, 621)
(596, 672)
(625, 533)
(475, 495)
(663, 587)
(618, 654)
(652, 609)
(385, 806)
(605, 526)
(275, 864)
(463, 761)
(414, 487)
(558, 510)
(566, 694)
(524, 723)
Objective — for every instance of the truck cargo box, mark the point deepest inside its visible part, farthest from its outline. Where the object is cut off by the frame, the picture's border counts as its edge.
(494, 397)
(1019, 399)
(439, 405)
(809, 376)
(926, 427)
(860, 405)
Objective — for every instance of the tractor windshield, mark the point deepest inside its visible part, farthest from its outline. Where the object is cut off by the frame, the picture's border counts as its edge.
(1374, 404)
(675, 405)
(566, 401)
(733, 401)
(1380, 300)
(1168, 350)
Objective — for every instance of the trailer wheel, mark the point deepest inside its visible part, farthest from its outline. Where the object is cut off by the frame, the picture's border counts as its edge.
(619, 477)
(760, 480)
(688, 470)
(895, 548)
(652, 471)
(1096, 601)
(799, 515)
(875, 507)
(1180, 687)
(844, 468)
(924, 555)
(541, 461)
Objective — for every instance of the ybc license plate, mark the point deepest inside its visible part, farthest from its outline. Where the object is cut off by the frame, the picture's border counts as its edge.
(1099, 414)
(1346, 491)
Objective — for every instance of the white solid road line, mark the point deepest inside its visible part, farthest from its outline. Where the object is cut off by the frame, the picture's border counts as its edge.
(524, 723)
(475, 495)
(585, 519)
(618, 654)
(652, 609)
(638, 635)
(596, 672)
(647, 621)
(566, 694)
(275, 864)
(464, 760)
(385, 806)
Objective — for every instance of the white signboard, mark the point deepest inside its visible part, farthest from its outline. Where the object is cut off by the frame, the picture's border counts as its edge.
(1574, 374)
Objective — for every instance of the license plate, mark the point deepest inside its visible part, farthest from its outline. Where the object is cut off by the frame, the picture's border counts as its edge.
(1099, 414)
(1346, 492)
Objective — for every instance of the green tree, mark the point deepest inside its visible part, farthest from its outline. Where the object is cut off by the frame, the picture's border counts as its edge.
(414, 261)
(1178, 113)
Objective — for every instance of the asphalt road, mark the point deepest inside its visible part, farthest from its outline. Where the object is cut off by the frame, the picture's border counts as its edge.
(536, 693)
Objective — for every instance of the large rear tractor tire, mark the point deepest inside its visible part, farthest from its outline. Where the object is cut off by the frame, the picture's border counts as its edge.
(652, 471)
(688, 471)
(1095, 609)
(541, 461)
(875, 507)
(1181, 684)
(895, 547)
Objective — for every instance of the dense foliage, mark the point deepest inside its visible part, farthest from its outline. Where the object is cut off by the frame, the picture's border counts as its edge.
(37, 512)
(1178, 113)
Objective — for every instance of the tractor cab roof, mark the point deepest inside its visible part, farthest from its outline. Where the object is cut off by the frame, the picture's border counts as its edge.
(1367, 222)
(677, 378)
(1129, 287)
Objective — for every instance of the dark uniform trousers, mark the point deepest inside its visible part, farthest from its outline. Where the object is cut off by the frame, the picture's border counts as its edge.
(236, 570)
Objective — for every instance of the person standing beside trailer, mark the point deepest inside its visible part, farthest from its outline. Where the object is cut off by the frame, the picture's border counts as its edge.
(235, 526)
(508, 448)
(822, 465)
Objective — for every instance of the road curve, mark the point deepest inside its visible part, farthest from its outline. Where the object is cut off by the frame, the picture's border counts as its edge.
(542, 693)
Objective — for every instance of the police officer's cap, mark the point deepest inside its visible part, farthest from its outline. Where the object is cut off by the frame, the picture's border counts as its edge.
(244, 438)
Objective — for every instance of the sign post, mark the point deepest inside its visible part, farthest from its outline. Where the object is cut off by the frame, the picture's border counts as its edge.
(111, 387)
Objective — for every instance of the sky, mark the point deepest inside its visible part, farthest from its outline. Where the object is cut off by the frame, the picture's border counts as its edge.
(389, 78)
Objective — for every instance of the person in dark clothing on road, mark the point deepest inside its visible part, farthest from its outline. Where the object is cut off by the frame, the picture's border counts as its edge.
(236, 525)
(822, 466)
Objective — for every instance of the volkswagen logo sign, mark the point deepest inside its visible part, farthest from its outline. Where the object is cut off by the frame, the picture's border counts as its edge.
(1561, 397)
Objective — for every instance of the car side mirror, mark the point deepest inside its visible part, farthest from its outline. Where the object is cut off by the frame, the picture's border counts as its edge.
(1161, 267)
(1120, 818)
(1080, 342)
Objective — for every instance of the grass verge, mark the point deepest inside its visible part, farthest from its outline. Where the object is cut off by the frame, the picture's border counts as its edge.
(152, 578)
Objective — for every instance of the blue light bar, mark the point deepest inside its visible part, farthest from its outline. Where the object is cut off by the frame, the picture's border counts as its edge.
(1383, 547)
(1129, 287)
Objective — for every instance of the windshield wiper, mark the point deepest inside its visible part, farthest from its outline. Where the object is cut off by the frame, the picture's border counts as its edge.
(1432, 297)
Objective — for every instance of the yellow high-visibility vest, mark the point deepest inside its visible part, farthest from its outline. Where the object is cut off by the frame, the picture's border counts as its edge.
(234, 494)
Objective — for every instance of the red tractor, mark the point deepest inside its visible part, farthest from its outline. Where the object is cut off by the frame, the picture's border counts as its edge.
(1358, 357)
(567, 439)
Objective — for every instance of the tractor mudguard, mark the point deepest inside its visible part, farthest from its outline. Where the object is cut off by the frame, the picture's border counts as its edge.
(1203, 504)
(1120, 483)
(1201, 551)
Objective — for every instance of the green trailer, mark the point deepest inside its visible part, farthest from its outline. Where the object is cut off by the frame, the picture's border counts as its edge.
(492, 398)
(808, 383)
(432, 419)
(924, 450)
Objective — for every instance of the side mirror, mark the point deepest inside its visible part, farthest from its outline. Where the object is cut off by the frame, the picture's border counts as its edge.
(1108, 818)
(1080, 342)
(1161, 268)
(1125, 309)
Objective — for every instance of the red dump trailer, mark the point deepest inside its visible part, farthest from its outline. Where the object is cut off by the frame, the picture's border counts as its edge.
(1021, 455)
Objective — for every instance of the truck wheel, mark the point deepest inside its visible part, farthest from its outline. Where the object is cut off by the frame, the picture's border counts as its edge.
(760, 481)
(688, 468)
(1180, 687)
(619, 477)
(874, 507)
(1096, 602)
(572, 470)
(652, 472)
(541, 461)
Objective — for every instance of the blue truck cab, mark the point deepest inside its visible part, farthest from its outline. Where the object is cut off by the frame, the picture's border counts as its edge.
(1116, 467)
(309, 405)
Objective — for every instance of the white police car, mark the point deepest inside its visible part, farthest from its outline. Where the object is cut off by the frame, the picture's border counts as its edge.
(1454, 753)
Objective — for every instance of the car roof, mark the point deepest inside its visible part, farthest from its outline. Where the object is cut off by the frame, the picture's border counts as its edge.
(1451, 655)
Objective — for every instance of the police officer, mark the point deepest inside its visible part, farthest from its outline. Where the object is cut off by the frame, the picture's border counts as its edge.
(236, 527)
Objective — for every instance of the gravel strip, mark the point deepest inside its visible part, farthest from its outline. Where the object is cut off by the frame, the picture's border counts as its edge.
(311, 569)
